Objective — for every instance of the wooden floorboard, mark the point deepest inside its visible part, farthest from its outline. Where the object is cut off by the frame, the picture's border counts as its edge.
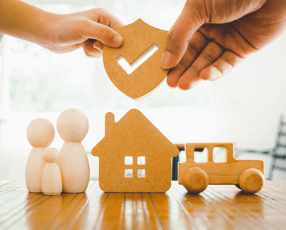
(219, 207)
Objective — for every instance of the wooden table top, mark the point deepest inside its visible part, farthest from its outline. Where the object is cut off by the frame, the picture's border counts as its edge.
(218, 207)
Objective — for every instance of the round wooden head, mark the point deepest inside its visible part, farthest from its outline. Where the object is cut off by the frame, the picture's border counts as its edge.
(40, 133)
(51, 155)
(72, 125)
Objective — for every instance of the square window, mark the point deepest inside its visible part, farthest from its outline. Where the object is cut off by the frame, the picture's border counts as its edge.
(128, 161)
(141, 173)
(201, 155)
(128, 173)
(141, 160)
(219, 155)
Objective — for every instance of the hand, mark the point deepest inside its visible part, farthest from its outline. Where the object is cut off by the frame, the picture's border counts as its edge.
(88, 29)
(211, 37)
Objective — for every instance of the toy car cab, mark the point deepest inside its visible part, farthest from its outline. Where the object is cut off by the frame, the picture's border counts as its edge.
(195, 177)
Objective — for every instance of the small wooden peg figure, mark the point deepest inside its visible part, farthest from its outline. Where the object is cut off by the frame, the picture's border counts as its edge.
(72, 126)
(40, 134)
(52, 177)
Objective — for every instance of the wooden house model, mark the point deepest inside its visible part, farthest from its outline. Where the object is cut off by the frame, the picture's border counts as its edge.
(134, 156)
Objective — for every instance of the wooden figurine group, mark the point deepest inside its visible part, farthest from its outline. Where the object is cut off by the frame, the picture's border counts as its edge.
(53, 172)
(134, 156)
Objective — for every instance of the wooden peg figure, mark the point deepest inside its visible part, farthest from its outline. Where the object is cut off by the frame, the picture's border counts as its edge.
(52, 178)
(72, 126)
(40, 134)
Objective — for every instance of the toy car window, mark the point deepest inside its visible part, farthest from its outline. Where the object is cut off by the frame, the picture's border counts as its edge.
(219, 154)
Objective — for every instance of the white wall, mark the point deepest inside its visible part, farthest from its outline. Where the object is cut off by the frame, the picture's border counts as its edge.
(249, 101)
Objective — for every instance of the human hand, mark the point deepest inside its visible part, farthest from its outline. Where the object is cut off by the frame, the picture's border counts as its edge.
(211, 37)
(88, 29)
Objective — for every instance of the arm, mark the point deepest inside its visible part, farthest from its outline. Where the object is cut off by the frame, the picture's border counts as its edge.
(60, 33)
(21, 20)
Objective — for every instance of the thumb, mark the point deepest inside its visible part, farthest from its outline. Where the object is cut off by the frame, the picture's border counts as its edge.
(100, 32)
(189, 21)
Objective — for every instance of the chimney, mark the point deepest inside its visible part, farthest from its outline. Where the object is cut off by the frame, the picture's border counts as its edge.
(109, 122)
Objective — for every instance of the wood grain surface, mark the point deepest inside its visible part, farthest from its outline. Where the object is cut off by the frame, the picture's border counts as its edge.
(218, 207)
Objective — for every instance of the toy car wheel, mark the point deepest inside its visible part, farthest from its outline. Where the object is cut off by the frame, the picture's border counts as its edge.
(195, 180)
(251, 180)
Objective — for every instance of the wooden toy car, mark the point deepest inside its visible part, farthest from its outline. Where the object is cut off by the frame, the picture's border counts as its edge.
(195, 177)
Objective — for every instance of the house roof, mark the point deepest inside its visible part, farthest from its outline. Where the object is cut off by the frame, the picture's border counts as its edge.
(134, 131)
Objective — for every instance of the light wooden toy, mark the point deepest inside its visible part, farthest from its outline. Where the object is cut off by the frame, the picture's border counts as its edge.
(52, 177)
(134, 156)
(40, 134)
(138, 38)
(72, 126)
(195, 177)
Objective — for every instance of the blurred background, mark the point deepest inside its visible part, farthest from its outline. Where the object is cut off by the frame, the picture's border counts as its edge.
(243, 108)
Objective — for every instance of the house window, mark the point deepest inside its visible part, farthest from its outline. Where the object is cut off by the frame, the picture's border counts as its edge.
(128, 161)
(137, 167)
(128, 173)
(141, 173)
(141, 160)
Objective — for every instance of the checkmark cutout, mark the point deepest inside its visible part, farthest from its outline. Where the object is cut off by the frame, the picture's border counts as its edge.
(129, 68)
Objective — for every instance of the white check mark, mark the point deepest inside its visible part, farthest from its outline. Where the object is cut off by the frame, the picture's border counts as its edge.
(129, 68)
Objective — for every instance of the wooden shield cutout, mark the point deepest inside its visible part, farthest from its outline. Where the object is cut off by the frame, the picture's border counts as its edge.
(139, 38)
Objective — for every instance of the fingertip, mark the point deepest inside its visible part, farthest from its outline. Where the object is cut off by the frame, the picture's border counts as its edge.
(88, 54)
(167, 60)
(96, 53)
(211, 73)
(171, 82)
(184, 85)
(118, 41)
(187, 84)
(204, 75)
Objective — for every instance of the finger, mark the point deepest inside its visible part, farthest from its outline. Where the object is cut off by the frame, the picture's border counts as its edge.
(87, 54)
(98, 45)
(207, 57)
(175, 74)
(88, 48)
(98, 55)
(189, 21)
(221, 67)
(195, 47)
(90, 29)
